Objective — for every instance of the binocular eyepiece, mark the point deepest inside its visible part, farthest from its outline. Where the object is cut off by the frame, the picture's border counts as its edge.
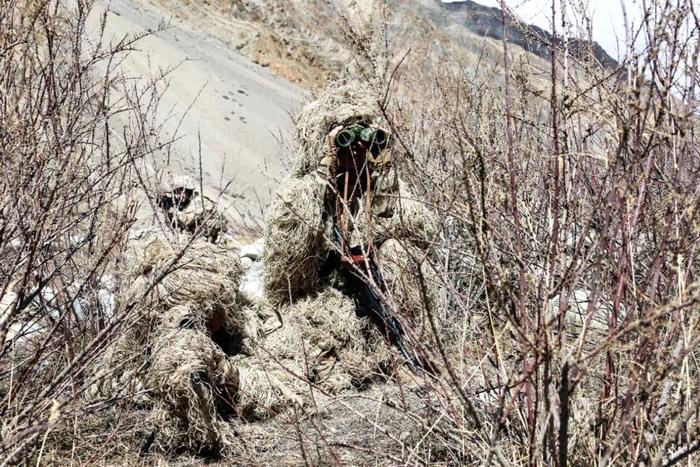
(373, 137)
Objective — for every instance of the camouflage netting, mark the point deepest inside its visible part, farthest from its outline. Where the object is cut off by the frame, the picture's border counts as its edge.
(404, 217)
(207, 436)
(298, 235)
(191, 378)
(401, 274)
(297, 230)
(339, 338)
(294, 240)
(205, 274)
(322, 341)
(265, 389)
(190, 211)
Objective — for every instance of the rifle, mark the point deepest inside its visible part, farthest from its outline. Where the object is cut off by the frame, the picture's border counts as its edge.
(367, 301)
(351, 181)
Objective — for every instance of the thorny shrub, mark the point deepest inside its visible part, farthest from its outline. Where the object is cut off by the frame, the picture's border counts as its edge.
(568, 196)
(74, 134)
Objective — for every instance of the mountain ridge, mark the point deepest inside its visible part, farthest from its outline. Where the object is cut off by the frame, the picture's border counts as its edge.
(487, 21)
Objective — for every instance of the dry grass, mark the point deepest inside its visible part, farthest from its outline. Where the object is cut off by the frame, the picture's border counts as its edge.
(202, 275)
(321, 341)
(580, 187)
(191, 408)
(68, 201)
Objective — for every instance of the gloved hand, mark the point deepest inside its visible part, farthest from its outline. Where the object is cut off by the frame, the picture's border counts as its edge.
(329, 157)
(383, 157)
(326, 170)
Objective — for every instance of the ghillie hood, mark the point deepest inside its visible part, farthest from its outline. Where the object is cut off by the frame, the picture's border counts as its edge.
(339, 103)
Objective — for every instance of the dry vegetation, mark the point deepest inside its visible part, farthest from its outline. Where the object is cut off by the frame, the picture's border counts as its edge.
(567, 328)
(73, 136)
(569, 249)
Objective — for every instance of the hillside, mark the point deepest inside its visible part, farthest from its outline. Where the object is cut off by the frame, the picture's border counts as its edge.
(348, 232)
(488, 22)
(305, 42)
(238, 110)
(237, 71)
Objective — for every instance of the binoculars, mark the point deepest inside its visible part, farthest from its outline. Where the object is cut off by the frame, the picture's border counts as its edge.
(355, 133)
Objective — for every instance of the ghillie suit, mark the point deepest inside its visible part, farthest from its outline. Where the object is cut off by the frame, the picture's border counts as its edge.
(299, 222)
(320, 341)
(175, 356)
(189, 211)
(303, 225)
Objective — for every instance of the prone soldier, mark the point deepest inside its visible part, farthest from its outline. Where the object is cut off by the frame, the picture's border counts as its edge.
(190, 211)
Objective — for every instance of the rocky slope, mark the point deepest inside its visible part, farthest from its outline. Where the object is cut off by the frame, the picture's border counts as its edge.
(238, 70)
(307, 42)
(487, 22)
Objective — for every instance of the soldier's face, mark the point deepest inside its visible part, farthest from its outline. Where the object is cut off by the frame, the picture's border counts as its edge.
(353, 158)
(359, 148)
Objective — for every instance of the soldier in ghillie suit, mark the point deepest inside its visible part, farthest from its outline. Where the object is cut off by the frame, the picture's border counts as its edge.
(187, 210)
(344, 214)
(185, 347)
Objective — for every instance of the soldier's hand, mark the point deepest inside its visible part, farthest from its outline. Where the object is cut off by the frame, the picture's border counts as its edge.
(329, 157)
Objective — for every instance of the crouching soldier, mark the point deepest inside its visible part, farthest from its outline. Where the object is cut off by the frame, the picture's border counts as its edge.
(344, 213)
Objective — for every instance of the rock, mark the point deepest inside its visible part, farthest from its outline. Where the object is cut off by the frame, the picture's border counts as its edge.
(252, 250)
(232, 244)
(251, 283)
(246, 262)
